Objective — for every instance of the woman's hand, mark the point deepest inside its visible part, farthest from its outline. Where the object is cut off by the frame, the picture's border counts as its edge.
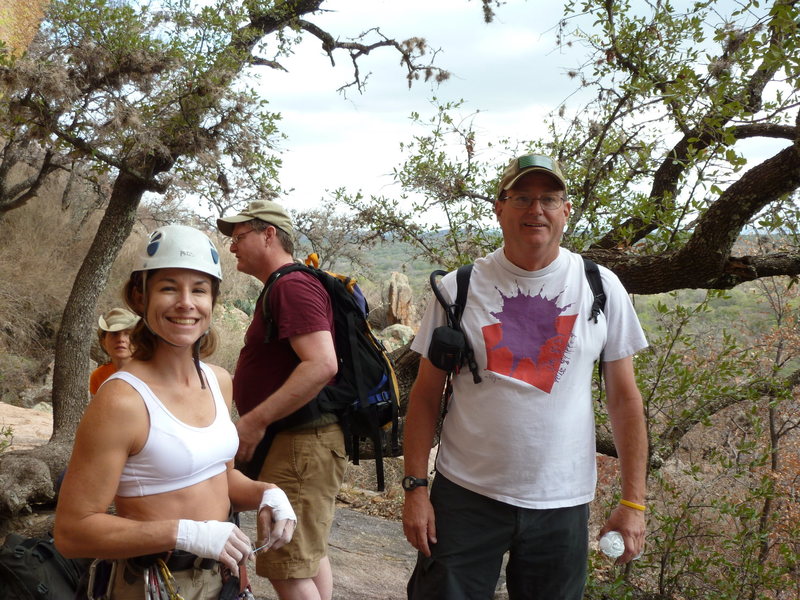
(214, 539)
(277, 517)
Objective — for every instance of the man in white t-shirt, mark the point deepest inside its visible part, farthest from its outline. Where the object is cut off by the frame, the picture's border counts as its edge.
(516, 465)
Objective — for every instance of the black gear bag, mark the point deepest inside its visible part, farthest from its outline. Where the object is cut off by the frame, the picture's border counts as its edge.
(32, 569)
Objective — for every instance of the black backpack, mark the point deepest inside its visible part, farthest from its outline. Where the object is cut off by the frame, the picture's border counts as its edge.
(365, 394)
(449, 349)
(32, 569)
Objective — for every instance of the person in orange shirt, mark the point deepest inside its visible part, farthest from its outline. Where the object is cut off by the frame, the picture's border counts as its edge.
(114, 335)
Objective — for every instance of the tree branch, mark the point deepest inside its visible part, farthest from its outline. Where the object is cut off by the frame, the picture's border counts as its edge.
(663, 273)
(707, 132)
(720, 226)
(262, 62)
(768, 130)
(19, 194)
(410, 50)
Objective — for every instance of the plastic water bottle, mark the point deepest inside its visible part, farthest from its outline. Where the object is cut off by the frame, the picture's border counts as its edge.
(612, 544)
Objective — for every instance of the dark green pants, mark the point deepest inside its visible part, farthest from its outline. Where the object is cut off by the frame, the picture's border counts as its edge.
(547, 549)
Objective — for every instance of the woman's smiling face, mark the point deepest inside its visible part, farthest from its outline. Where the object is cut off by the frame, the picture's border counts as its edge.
(179, 305)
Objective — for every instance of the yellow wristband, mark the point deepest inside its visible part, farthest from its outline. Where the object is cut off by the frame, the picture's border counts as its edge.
(630, 504)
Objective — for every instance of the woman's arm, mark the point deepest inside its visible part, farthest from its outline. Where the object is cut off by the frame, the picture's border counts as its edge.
(114, 426)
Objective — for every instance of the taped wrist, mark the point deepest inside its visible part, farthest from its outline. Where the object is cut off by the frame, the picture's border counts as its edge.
(203, 538)
(277, 500)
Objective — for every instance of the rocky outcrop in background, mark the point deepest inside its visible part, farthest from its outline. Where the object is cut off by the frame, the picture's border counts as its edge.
(400, 308)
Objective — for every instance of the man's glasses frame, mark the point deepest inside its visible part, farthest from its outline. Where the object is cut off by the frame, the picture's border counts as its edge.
(546, 201)
(235, 239)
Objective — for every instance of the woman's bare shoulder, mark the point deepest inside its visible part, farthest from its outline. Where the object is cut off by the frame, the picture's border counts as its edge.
(116, 397)
(221, 373)
(225, 381)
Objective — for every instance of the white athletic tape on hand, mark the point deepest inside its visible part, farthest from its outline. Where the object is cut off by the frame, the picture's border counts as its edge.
(276, 499)
(203, 538)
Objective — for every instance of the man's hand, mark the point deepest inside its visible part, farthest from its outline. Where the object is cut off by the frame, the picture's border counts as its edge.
(631, 524)
(251, 432)
(419, 523)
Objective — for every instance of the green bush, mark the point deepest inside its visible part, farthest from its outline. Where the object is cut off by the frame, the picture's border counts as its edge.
(6, 435)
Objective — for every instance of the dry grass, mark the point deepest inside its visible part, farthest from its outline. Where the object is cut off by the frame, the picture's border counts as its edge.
(230, 324)
(359, 489)
(40, 255)
(38, 260)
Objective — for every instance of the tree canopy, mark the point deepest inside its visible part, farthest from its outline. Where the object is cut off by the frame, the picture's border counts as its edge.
(662, 158)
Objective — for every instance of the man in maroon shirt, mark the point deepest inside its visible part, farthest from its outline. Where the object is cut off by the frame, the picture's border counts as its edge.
(276, 377)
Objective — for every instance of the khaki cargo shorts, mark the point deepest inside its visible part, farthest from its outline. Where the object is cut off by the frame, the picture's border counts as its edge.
(308, 465)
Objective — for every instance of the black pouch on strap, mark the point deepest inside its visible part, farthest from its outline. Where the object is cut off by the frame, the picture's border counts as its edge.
(447, 348)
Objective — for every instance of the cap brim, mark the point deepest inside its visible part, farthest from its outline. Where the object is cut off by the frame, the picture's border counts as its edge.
(114, 328)
(228, 224)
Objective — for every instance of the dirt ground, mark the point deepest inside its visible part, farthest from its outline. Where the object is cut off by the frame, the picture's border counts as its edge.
(30, 427)
(370, 557)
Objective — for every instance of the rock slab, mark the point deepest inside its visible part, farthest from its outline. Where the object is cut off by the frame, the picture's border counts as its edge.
(370, 557)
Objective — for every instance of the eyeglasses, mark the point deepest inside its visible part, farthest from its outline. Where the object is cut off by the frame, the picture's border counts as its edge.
(546, 201)
(235, 239)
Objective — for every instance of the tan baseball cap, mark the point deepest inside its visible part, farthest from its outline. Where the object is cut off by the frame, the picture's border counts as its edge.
(530, 163)
(118, 319)
(264, 210)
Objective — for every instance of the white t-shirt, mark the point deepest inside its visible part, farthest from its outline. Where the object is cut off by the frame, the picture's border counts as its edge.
(525, 434)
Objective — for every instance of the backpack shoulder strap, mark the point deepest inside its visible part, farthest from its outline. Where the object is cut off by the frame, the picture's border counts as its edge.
(455, 311)
(596, 283)
(599, 305)
(263, 298)
(462, 285)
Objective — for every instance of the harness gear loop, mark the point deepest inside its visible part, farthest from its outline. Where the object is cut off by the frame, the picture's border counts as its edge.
(168, 580)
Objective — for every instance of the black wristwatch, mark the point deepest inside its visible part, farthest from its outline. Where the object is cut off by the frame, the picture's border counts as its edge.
(410, 482)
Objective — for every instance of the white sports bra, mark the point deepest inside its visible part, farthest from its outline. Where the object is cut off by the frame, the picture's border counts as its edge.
(177, 455)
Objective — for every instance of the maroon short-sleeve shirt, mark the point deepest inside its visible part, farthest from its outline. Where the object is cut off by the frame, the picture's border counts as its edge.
(298, 304)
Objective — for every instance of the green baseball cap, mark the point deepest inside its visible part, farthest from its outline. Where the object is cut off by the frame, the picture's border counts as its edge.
(530, 163)
(264, 210)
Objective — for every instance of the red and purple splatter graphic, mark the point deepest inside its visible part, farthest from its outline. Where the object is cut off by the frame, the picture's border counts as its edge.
(530, 340)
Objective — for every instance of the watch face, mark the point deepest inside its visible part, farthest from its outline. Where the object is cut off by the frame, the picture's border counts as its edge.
(410, 482)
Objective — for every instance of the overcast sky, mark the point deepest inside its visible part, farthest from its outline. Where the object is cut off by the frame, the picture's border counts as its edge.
(509, 70)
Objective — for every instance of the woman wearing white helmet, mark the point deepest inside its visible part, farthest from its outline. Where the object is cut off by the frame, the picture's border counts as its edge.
(157, 442)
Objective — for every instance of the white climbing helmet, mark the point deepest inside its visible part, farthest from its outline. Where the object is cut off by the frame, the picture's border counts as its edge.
(180, 247)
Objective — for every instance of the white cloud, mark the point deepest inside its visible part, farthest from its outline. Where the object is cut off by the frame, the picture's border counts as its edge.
(499, 42)
(506, 70)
